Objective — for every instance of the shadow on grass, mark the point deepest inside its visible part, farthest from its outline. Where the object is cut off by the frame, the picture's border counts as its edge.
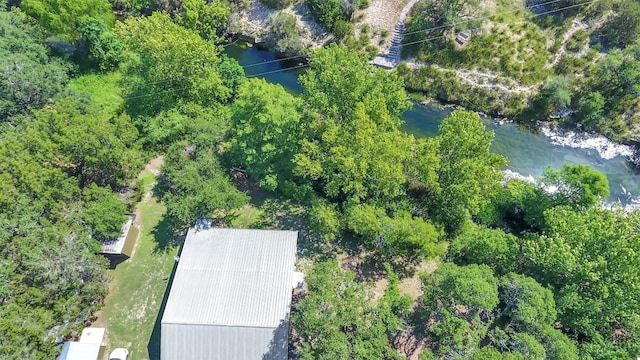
(165, 235)
(115, 259)
(153, 347)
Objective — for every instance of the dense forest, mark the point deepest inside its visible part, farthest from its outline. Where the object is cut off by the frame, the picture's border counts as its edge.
(524, 271)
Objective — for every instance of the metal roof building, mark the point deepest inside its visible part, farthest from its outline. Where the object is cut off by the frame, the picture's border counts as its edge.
(230, 296)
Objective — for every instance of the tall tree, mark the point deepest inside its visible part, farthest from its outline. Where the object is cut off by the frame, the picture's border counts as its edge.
(468, 174)
(265, 132)
(459, 302)
(576, 185)
(169, 64)
(103, 48)
(198, 186)
(586, 258)
(338, 79)
(491, 247)
(353, 150)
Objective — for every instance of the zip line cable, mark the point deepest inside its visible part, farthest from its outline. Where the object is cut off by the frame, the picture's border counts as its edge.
(170, 90)
(242, 66)
(544, 13)
(483, 18)
(404, 44)
(306, 65)
(276, 71)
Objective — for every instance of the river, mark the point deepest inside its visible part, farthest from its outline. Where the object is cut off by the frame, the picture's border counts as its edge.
(528, 153)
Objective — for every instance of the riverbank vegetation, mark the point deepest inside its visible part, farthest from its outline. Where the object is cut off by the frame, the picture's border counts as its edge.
(564, 53)
(522, 270)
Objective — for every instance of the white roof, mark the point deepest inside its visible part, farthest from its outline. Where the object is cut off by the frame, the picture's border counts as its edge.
(233, 277)
(92, 335)
(115, 246)
(79, 351)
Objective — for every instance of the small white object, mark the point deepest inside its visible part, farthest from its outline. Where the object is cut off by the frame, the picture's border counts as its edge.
(298, 280)
(119, 354)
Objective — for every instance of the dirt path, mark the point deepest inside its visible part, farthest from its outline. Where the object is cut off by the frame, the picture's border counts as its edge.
(483, 79)
(152, 167)
(575, 26)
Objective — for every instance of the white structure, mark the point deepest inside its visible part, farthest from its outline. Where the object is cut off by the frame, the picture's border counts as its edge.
(230, 296)
(124, 244)
(88, 348)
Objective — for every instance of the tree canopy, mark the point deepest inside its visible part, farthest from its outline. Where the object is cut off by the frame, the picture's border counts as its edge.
(62, 18)
(468, 173)
(338, 320)
(169, 64)
(29, 76)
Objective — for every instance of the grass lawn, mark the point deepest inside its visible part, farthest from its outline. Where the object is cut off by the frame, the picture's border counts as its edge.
(103, 88)
(138, 285)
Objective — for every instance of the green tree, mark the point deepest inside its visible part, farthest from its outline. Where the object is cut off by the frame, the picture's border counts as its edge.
(491, 247)
(51, 282)
(523, 345)
(528, 306)
(623, 28)
(104, 213)
(520, 206)
(590, 112)
(63, 18)
(339, 78)
(465, 291)
(555, 95)
(29, 76)
(468, 173)
(325, 219)
(199, 187)
(576, 185)
(338, 319)
(597, 293)
(105, 50)
(358, 159)
(283, 35)
(207, 18)
(203, 126)
(87, 143)
(459, 303)
(403, 235)
(353, 150)
(557, 345)
(169, 64)
(265, 132)
(330, 13)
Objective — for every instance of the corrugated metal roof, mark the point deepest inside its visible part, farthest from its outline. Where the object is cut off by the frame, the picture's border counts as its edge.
(208, 342)
(233, 277)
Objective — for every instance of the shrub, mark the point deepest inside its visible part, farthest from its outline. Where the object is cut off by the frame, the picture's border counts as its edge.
(277, 4)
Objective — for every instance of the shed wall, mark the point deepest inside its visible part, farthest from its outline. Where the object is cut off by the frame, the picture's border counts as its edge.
(210, 342)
